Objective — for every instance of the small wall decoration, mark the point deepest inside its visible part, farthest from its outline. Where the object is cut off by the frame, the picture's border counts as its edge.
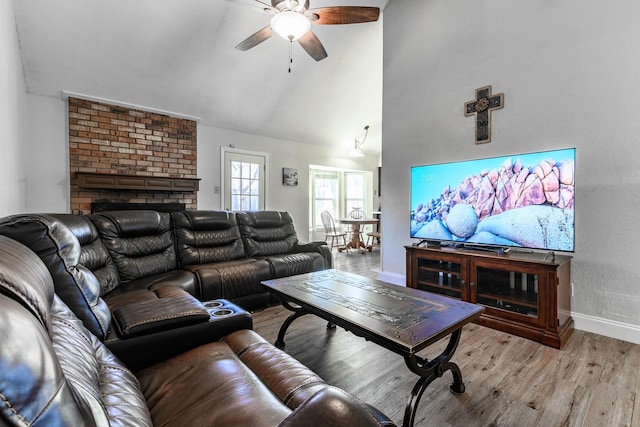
(289, 176)
(482, 107)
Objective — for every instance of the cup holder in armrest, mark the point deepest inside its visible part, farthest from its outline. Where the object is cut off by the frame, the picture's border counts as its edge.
(221, 312)
(220, 309)
(212, 304)
(227, 316)
(215, 308)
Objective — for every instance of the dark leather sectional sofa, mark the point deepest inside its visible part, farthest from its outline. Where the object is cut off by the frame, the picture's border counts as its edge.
(138, 318)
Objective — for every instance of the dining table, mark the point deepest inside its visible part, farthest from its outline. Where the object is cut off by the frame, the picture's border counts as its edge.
(356, 224)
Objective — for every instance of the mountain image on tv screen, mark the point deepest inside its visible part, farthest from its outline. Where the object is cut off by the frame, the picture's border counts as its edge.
(524, 200)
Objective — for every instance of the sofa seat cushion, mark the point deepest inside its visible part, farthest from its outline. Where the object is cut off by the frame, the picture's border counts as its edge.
(133, 291)
(210, 385)
(291, 264)
(231, 279)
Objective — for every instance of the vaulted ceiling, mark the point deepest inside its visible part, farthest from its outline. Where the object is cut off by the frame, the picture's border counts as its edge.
(179, 56)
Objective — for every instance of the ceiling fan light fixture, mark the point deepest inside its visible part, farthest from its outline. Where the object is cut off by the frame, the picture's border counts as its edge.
(356, 151)
(290, 25)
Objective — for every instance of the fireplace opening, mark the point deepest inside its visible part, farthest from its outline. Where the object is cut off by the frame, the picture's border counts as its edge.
(104, 206)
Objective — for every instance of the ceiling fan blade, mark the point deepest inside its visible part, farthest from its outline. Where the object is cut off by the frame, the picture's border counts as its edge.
(256, 4)
(311, 44)
(256, 38)
(344, 15)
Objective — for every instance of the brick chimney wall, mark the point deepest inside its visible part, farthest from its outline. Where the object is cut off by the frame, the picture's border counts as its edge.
(111, 139)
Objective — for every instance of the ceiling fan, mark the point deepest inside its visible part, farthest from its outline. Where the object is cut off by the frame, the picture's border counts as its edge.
(292, 19)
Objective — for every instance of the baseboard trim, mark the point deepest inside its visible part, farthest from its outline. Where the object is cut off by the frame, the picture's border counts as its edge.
(606, 327)
(582, 322)
(396, 279)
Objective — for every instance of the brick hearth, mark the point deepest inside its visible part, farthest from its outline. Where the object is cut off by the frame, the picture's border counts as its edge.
(118, 140)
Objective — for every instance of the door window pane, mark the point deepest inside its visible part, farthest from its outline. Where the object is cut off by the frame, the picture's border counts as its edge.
(245, 186)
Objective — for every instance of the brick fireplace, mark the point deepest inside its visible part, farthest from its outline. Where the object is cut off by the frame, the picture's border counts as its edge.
(124, 155)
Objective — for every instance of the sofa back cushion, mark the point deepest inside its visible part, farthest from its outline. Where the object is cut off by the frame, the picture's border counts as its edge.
(53, 371)
(93, 254)
(267, 233)
(140, 242)
(204, 237)
(59, 249)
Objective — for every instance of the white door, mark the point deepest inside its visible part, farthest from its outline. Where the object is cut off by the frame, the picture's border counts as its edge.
(244, 175)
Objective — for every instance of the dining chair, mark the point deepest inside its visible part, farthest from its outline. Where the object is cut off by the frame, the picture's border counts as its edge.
(358, 214)
(372, 237)
(330, 231)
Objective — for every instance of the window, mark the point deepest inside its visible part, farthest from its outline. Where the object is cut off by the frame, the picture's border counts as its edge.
(326, 194)
(338, 192)
(354, 190)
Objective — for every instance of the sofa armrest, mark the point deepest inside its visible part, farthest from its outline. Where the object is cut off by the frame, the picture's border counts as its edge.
(320, 247)
(334, 407)
(142, 351)
(144, 317)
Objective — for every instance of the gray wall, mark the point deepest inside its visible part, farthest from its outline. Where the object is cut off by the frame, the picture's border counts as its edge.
(569, 72)
(13, 117)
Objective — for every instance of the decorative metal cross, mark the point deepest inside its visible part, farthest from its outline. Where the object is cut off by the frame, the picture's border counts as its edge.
(481, 107)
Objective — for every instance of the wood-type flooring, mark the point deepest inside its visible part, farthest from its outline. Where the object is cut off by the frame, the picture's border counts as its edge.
(510, 381)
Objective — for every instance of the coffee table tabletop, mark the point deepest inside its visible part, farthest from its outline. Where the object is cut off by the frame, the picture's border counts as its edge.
(407, 319)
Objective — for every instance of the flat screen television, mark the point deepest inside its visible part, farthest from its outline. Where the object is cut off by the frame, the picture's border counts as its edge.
(518, 201)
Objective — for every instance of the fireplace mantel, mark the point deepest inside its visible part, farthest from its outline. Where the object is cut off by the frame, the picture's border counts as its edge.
(135, 182)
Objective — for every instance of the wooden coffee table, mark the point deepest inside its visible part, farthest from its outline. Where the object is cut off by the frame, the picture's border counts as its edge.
(400, 319)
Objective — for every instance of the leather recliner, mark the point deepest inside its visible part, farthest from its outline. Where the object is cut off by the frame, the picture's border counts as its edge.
(142, 326)
(120, 273)
(55, 372)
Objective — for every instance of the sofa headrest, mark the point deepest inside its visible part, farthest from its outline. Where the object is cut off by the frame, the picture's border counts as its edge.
(133, 223)
(206, 220)
(267, 232)
(80, 226)
(93, 253)
(24, 278)
(140, 242)
(204, 237)
(59, 249)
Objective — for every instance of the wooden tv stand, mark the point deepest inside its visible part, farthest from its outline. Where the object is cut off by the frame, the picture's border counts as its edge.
(525, 294)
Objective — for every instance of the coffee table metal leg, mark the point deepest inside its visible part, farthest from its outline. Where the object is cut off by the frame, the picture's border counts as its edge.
(429, 370)
(297, 312)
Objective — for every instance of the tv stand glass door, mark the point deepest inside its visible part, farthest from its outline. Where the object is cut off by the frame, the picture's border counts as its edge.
(444, 275)
(510, 290)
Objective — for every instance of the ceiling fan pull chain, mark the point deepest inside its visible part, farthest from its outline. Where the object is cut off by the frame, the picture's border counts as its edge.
(290, 54)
